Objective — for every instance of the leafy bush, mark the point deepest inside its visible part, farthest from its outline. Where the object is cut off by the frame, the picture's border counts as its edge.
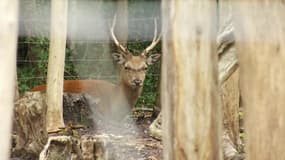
(32, 62)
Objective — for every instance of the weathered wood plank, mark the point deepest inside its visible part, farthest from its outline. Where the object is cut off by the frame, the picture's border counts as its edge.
(56, 64)
(190, 103)
(260, 29)
(229, 76)
(230, 106)
(8, 47)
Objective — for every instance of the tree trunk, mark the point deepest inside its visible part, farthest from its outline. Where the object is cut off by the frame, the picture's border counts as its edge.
(85, 148)
(228, 78)
(30, 125)
(190, 103)
(260, 43)
(56, 65)
(8, 47)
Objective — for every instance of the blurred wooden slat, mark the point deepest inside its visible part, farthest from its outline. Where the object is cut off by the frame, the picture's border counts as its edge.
(8, 46)
(229, 76)
(260, 30)
(189, 90)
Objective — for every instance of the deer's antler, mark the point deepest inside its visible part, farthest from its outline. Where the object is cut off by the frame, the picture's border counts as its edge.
(121, 47)
(155, 40)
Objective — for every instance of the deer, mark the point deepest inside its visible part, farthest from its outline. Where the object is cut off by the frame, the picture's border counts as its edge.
(116, 100)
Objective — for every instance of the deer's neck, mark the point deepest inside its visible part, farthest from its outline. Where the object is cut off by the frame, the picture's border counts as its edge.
(131, 94)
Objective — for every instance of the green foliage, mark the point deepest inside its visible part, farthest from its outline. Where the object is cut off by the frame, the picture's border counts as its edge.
(24, 78)
(32, 65)
(33, 62)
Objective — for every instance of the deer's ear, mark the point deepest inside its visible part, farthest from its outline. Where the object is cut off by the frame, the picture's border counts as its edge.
(119, 58)
(153, 58)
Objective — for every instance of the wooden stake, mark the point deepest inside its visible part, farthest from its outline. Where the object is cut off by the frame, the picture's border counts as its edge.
(56, 64)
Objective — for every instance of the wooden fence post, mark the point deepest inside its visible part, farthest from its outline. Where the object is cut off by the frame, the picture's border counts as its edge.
(260, 43)
(8, 47)
(56, 64)
(230, 91)
(189, 88)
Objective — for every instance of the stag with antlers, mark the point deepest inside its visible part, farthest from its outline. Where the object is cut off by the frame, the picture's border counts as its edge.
(115, 100)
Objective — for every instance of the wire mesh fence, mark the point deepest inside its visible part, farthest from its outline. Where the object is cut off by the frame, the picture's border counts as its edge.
(86, 60)
(89, 49)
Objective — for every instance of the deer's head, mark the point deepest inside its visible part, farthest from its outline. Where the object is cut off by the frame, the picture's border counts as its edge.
(133, 68)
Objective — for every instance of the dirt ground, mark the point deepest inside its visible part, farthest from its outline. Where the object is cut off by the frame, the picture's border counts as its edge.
(126, 140)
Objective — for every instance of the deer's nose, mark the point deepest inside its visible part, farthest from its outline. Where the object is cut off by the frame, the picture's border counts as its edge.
(137, 82)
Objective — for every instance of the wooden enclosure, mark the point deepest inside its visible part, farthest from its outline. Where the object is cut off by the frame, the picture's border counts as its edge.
(259, 31)
(201, 97)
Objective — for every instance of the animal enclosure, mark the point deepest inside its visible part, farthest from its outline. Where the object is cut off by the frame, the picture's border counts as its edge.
(88, 51)
(218, 83)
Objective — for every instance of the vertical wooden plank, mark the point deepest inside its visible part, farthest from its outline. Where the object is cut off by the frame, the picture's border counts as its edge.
(56, 64)
(230, 106)
(260, 28)
(189, 89)
(8, 45)
(230, 93)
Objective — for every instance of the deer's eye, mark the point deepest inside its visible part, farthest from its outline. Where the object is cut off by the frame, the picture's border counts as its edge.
(127, 68)
(143, 69)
